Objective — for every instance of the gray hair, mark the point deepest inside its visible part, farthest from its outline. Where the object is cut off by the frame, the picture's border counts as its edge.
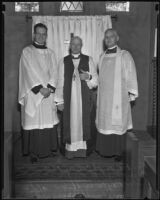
(112, 30)
(76, 37)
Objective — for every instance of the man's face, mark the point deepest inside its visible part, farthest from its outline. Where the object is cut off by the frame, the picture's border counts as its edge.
(110, 39)
(41, 35)
(76, 46)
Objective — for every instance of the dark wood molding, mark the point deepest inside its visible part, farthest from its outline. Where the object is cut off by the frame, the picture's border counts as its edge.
(114, 17)
(152, 130)
(3, 7)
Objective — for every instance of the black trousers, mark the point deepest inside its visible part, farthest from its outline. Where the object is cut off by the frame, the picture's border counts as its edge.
(110, 145)
(39, 142)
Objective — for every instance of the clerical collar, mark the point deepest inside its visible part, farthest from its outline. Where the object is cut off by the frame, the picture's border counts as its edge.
(111, 50)
(75, 56)
(113, 47)
(39, 46)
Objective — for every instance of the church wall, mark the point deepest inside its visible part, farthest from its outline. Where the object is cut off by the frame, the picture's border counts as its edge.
(134, 31)
(15, 40)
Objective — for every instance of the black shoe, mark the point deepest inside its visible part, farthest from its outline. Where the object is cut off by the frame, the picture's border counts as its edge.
(118, 158)
(54, 151)
(53, 154)
(33, 159)
(47, 156)
(107, 156)
(25, 154)
(103, 156)
(79, 196)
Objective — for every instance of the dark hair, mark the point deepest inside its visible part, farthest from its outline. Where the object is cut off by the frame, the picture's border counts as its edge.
(41, 26)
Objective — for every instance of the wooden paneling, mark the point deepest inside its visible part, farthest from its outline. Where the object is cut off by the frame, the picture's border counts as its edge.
(150, 187)
(140, 144)
(131, 167)
(8, 173)
(15, 41)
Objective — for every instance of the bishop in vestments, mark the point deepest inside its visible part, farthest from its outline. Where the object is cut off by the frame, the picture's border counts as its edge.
(117, 88)
(77, 76)
(37, 83)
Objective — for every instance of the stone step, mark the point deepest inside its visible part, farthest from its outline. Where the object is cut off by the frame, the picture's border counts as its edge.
(68, 189)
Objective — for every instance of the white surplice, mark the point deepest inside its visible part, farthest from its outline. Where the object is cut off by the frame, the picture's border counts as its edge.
(76, 126)
(37, 66)
(117, 87)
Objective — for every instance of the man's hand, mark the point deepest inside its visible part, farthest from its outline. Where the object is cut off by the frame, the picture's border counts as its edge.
(84, 75)
(45, 92)
(51, 91)
(60, 107)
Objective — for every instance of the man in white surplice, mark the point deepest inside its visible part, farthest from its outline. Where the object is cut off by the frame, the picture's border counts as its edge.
(117, 88)
(37, 84)
(77, 76)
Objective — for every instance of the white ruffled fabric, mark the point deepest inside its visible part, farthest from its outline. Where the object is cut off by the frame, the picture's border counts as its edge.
(37, 66)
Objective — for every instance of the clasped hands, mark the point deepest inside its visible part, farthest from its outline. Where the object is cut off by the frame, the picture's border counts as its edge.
(45, 92)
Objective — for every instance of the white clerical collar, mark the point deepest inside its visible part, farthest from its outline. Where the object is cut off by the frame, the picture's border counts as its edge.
(75, 55)
(113, 47)
(38, 43)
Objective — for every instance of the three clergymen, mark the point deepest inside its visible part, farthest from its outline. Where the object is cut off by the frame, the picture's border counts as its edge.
(45, 87)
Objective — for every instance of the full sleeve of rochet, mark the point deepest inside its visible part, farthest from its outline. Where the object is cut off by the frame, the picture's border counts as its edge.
(53, 72)
(27, 80)
(93, 82)
(60, 83)
(131, 76)
(100, 61)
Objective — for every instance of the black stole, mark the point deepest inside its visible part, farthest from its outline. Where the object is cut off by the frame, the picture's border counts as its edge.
(86, 98)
